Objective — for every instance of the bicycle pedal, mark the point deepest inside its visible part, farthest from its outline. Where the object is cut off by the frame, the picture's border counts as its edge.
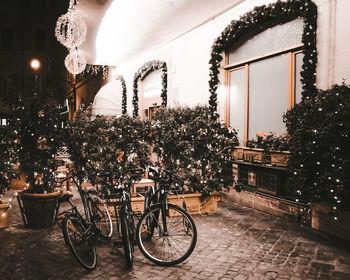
(118, 244)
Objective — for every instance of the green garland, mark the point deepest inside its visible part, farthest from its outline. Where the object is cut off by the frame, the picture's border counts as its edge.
(122, 81)
(261, 18)
(141, 74)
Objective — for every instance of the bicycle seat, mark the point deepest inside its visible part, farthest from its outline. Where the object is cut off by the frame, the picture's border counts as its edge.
(64, 197)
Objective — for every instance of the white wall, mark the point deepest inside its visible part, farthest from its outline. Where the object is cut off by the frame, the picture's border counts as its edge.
(188, 56)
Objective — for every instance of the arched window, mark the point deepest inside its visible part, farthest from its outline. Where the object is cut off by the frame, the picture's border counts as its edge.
(263, 79)
(151, 93)
(153, 75)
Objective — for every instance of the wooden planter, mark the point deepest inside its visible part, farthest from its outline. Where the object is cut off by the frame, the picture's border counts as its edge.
(38, 210)
(195, 203)
(4, 215)
(279, 158)
(254, 155)
(238, 153)
(323, 221)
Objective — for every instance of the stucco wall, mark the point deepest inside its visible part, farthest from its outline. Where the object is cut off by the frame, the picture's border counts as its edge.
(187, 57)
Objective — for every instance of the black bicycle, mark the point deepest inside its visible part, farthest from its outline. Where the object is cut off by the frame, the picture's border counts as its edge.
(80, 233)
(166, 233)
(119, 198)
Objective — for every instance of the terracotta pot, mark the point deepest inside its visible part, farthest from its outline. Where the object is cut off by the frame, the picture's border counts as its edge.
(4, 215)
(38, 210)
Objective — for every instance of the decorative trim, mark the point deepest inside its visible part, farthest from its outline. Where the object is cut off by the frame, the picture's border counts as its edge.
(261, 18)
(122, 81)
(142, 73)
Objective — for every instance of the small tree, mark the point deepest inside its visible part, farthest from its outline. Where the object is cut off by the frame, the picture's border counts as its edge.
(198, 147)
(104, 149)
(40, 133)
(8, 157)
(320, 147)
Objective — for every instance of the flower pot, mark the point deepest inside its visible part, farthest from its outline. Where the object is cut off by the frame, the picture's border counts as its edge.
(279, 158)
(38, 210)
(4, 215)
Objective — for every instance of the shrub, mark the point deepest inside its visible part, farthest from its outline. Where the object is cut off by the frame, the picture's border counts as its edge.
(320, 148)
(197, 147)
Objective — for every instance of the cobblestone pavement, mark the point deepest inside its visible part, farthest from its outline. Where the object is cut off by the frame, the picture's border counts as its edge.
(234, 243)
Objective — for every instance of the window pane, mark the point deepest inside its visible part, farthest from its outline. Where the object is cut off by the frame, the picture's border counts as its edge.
(273, 39)
(237, 90)
(268, 91)
(152, 84)
(298, 67)
(6, 39)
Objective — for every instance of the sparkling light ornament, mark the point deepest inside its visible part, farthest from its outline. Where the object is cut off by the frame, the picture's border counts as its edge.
(75, 62)
(70, 28)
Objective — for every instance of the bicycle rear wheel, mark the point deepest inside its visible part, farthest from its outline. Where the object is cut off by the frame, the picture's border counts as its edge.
(101, 217)
(127, 237)
(74, 233)
(172, 237)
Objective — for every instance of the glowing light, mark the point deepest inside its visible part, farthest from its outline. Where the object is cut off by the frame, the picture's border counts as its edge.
(35, 64)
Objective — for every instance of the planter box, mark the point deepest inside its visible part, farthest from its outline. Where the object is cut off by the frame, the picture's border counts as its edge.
(195, 203)
(238, 153)
(323, 221)
(254, 155)
(4, 215)
(279, 158)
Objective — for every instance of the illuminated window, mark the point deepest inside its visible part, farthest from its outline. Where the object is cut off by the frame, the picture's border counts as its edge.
(151, 91)
(263, 79)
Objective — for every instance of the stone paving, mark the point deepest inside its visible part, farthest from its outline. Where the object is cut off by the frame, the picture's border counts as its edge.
(235, 243)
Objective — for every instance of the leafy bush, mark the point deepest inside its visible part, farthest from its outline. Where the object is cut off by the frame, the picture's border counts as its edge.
(319, 130)
(40, 132)
(198, 148)
(8, 157)
(104, 149)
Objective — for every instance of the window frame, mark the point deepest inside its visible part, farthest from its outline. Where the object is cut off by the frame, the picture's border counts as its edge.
(291, 51)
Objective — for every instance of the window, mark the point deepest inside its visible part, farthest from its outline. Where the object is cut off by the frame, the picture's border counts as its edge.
(3, 121)
(152, 88)
(8, 82)
(263, 79)
(6, 38)
(40, 39)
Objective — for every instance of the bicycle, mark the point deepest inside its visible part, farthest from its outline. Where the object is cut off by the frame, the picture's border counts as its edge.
(119, 198)
(166, 234)
(80, 233)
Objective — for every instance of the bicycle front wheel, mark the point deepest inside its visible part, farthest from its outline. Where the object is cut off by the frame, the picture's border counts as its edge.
(76, 238)
(101, 217)
(127, 238)
(171, 238)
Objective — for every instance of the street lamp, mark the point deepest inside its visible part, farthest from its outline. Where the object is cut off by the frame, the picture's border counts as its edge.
(35, 65)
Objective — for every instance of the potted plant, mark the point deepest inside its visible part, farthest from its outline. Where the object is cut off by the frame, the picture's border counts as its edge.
(7, 168)
(103, 150)
(320, 157)
(40, 131)
(198, 148)
(273, 148)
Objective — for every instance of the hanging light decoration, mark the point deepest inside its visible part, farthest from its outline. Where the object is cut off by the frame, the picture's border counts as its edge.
(70, 28)
(75, 61)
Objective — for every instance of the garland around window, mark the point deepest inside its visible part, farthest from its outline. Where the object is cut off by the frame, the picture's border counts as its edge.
(141, 74)
(122, 81)
(261, 18)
